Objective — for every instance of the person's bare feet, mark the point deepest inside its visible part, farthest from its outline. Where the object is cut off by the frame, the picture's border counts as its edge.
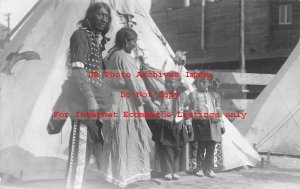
(199, 173)
(167, 177)
(175, 177)
(209, 173)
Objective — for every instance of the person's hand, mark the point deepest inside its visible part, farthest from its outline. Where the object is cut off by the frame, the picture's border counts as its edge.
(92, 104)
(188, 122)
(222, 130)
(155, 107)
(189, 127)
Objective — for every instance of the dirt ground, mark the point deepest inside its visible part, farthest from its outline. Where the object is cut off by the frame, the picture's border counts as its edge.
(281, 173)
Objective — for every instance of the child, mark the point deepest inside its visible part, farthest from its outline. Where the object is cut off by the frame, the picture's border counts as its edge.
(207, 131)
(170, 134)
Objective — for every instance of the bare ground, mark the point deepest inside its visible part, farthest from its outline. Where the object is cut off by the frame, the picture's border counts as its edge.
(281, 173)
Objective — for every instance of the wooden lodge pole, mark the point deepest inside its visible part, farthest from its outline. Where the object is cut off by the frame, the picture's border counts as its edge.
(242, 42)
(202, 24)
(242, 35)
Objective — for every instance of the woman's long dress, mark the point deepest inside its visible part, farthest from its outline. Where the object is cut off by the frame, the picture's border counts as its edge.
(126, 150)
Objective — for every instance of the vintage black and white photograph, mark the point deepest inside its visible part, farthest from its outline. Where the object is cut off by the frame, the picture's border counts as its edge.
(151, 94)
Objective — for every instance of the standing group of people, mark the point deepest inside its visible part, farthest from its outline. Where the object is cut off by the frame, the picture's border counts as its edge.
(122, 146)
(202, 134)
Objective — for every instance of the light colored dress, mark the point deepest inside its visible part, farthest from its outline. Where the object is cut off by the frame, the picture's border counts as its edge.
(126, 151)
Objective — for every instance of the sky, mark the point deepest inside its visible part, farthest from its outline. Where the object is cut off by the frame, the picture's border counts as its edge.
(17, 8)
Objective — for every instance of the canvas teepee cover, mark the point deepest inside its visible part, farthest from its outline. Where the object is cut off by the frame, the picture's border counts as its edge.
(273, 120)
(29, 92)
(237, 152)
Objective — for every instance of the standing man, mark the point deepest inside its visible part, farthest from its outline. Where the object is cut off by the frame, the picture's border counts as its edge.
(85, 91)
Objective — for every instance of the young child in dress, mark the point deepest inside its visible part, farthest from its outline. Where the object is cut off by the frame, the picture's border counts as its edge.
(171, 133)
(207, 131)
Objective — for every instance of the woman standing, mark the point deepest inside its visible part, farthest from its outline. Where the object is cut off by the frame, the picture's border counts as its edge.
(126, 150)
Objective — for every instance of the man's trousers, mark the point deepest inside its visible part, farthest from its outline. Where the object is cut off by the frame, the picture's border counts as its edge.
(203, 152)
(80, 150)
(169, 157)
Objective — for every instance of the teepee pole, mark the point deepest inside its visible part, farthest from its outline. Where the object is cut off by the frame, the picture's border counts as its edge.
(16, 28)
(92, 1)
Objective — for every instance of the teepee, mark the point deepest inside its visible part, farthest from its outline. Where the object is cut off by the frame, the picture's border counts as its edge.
(237, 152)
(33, 69)
(273, 120)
